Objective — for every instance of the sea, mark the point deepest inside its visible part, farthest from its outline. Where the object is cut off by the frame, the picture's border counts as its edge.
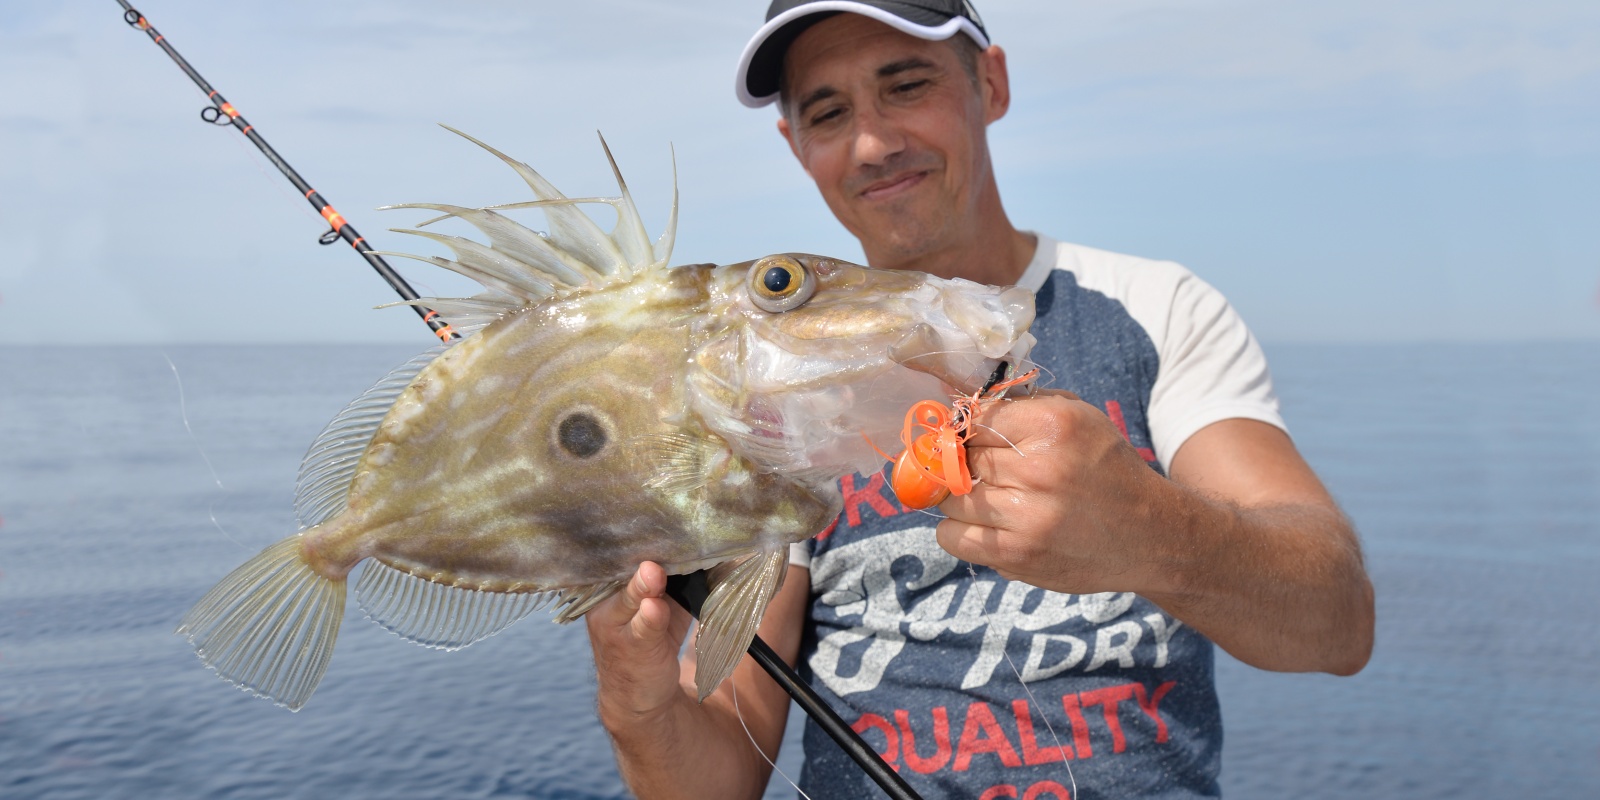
(133, 478)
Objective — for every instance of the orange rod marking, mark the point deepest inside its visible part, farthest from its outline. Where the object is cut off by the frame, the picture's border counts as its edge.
(359, 240)
(428, 317)
(227, 108)
(246, 130)
(445, 333)
(334, 218)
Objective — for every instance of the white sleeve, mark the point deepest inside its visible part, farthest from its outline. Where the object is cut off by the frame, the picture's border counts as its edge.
(1212, 369)
(800, 554)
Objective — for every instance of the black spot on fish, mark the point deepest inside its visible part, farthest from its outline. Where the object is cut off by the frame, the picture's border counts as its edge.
(581, 435)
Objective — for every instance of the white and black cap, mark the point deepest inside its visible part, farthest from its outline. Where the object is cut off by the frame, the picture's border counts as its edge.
(761, 65)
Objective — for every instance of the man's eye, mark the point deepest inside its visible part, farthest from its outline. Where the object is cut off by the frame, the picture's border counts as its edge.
(909, 86)
(827, 116)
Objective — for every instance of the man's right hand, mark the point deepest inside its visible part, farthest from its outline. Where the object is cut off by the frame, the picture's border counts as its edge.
(668, 745)
(636, 635)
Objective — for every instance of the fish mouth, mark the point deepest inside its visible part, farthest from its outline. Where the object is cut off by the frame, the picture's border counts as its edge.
(990, 331)
(928, 350)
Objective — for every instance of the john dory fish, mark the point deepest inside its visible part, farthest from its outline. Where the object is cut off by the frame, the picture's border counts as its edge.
(602, 410)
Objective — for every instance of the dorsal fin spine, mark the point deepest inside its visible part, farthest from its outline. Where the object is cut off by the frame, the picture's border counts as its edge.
(520, 267)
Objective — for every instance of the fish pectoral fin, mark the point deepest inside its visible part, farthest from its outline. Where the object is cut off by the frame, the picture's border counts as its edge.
(731, 614)
(438, 615)
(678, 462)
(270, 625)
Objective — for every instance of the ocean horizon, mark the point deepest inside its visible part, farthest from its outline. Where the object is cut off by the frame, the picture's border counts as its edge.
(133, 477)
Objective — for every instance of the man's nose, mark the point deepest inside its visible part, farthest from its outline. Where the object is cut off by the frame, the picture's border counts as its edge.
(877, 138)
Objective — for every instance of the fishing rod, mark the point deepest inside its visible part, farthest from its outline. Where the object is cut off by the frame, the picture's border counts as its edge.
(689, 590)
(221, 112)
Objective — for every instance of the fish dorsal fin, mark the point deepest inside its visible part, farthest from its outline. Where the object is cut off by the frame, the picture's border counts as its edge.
(521, 267)
(330, 464)
(467, 315)
(731, 614)
(438, 615)
(570, 228)
(629, 235)
(669, 237)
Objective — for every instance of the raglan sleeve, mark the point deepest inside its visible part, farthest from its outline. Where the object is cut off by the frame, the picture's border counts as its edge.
(800, 554)
(1211, 368)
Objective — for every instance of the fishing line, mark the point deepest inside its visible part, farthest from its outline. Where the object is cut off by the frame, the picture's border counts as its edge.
(691, 591)
(1034, 701)
(255, 160)
(1047, 372)
(183, 412)
(1006, 650)
(1009, 443)
(733, 683)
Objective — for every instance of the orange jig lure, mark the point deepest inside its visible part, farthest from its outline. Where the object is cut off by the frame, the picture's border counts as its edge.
(933, 465)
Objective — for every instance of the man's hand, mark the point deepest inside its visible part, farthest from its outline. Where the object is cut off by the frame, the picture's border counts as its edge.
(1243, 543)
(1059, 498)
(668, 744)
(636, 635)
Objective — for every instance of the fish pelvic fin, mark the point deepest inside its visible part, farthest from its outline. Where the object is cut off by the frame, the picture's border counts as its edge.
(731, 614)
(269, 627)
(575, 602)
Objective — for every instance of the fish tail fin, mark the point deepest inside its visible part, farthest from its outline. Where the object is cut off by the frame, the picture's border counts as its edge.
(269, 627)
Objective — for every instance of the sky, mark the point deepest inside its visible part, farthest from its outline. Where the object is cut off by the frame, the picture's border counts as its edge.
(1361, 171)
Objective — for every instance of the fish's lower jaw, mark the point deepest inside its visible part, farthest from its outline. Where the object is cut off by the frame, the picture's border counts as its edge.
(269, 627)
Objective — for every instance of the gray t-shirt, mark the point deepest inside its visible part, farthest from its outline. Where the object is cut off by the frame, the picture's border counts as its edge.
(922, 653)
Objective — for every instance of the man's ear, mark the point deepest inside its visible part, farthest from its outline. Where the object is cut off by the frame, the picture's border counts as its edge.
(788, 137)
(995, 82)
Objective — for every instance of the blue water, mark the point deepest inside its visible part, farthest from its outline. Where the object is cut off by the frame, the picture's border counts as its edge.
(1472, 471)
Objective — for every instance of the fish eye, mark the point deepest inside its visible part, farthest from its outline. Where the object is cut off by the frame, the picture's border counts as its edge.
(581, 435)
(780, 283)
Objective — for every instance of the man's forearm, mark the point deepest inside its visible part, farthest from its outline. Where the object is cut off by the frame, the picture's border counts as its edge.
(1280, 587)
(686, 752)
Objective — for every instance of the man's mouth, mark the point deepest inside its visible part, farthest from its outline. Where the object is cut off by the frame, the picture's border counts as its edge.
(880, 190)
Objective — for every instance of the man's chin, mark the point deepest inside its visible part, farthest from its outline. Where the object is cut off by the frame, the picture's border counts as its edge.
(904, 230)
(903, 247)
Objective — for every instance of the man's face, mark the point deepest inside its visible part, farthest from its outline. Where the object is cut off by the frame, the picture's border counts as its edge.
(892, 129)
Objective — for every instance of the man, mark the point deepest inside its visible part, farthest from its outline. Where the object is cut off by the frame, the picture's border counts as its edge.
(1162, 506)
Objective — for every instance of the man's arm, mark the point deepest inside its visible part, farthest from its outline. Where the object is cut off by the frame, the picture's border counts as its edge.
(1243, 543)
(667, 744)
